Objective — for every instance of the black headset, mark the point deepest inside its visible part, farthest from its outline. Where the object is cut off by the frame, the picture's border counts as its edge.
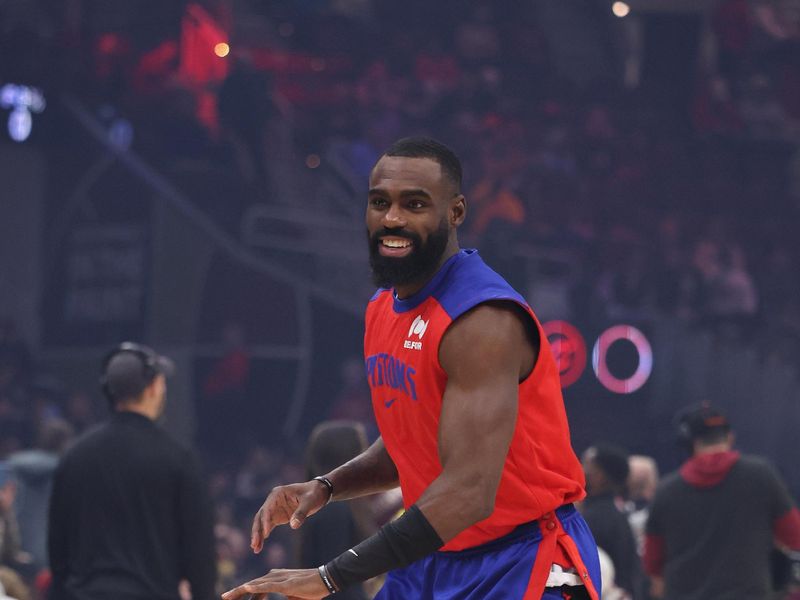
(147, 357)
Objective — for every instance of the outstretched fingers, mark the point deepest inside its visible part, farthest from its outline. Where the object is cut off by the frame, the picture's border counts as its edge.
(275, 581)
(303, 584)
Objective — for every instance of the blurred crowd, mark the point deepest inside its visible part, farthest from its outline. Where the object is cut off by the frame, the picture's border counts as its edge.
(671, 191)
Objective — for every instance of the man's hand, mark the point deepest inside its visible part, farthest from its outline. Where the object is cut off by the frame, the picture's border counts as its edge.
(299, 584)
(287, 504)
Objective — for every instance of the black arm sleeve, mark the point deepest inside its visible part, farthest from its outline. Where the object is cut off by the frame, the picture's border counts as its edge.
(397, 544)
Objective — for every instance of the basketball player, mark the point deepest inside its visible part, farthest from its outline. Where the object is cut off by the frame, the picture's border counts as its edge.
(473, 429)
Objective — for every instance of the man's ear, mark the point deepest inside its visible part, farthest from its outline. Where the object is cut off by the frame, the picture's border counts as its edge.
(458, 210)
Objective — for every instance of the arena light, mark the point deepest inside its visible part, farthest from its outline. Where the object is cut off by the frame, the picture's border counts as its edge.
(20, 123)
(620, 9)
(23, 102)
(222, 49)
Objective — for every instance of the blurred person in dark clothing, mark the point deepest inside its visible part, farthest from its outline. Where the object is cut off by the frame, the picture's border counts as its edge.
(33, 470)
(714, 523)
(81, 411)
(130, 517)
(344, 524)
(607, 469)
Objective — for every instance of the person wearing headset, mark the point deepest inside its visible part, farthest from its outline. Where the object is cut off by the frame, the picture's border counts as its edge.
(130, 517)
(713, 523)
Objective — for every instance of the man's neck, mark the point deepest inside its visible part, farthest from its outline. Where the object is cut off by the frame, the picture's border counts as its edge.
(137, 408)
(713, 448)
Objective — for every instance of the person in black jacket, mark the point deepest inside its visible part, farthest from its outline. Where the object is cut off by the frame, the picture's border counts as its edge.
(130, 517)
(607, 470)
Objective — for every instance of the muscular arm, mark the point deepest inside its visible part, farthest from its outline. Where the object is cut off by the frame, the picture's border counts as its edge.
(485, 354)
(370, 472)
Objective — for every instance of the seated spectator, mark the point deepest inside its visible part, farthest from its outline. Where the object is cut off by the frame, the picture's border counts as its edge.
(33, 471)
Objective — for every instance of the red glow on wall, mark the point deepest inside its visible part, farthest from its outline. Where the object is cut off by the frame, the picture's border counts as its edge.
(569, 350)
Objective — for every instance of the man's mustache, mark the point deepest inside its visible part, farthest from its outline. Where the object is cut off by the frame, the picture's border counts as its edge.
(393, 233)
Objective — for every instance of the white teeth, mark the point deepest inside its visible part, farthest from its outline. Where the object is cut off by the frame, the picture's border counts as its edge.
(396, 243)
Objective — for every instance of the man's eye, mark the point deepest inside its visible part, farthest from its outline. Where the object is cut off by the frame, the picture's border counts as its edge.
(416, 204)
(378, 202)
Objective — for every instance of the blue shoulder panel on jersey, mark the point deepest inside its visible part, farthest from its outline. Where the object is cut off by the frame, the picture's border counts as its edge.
(471, 282)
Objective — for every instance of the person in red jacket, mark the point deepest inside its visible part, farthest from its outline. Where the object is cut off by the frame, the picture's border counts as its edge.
(714, 523)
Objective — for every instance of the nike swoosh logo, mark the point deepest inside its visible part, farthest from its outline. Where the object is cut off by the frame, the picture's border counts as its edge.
(388, 403)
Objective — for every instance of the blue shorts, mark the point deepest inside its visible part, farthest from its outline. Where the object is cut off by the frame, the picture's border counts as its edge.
(498, 570)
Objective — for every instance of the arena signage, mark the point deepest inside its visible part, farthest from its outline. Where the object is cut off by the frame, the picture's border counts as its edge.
(569, 350)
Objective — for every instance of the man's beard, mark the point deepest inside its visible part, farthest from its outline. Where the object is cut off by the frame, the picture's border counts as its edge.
(420, 264)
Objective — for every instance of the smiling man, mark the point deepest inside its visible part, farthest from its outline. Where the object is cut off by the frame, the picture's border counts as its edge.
(473, 429)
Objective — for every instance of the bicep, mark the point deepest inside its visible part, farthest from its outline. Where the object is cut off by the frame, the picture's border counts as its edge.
(481, 354)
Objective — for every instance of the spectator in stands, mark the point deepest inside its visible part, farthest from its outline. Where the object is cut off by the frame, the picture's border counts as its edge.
(80, 411)
(732, 297)
(712, 524)
(33, 470)
(642, 482)
(606, 469)
(343, 524)
(609, 577)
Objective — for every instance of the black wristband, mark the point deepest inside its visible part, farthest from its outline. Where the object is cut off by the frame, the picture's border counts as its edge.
(396, 545)
(323, 573)
(327, 483)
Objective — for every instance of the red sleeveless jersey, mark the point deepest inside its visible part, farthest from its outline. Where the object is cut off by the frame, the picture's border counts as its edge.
(401, 346)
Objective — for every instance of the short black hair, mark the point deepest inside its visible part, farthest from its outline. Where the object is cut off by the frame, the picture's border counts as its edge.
(333, 443)
(613, 461)
(426, 147)
(129, 368)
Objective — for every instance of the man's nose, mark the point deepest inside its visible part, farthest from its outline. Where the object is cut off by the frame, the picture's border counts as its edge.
(393, 218)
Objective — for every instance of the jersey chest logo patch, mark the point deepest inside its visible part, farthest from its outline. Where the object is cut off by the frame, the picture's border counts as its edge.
(418, 328)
